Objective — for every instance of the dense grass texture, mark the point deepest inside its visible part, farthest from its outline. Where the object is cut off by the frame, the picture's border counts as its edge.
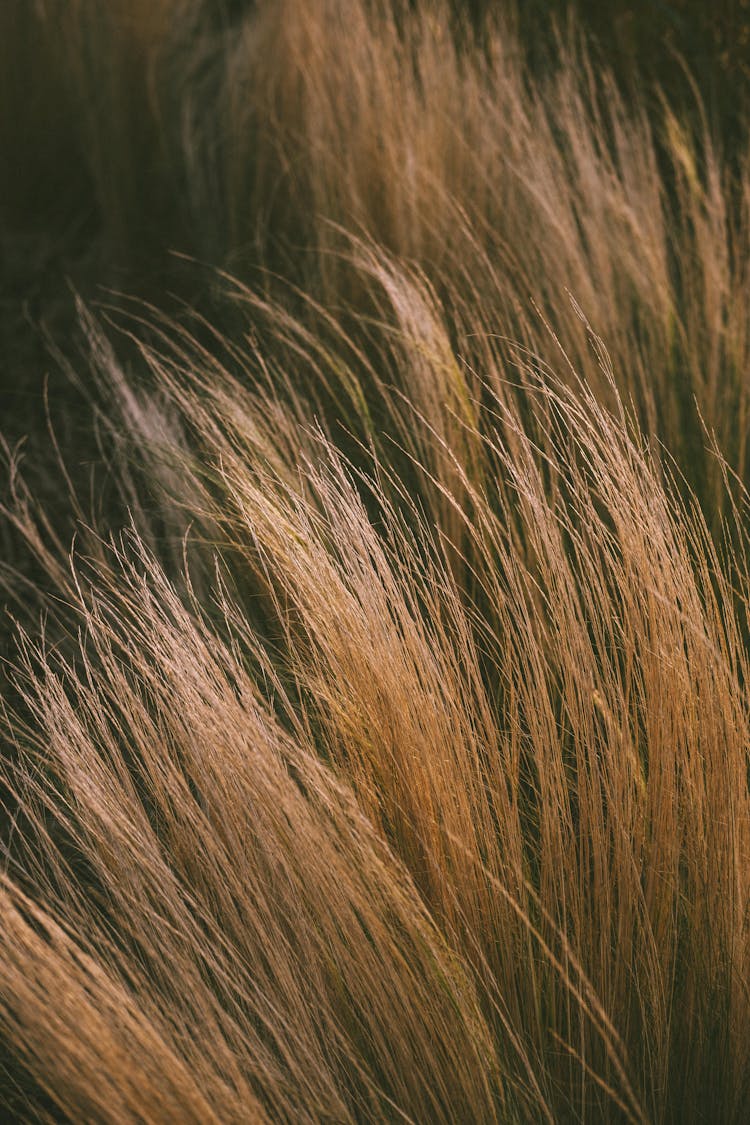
(382, 753)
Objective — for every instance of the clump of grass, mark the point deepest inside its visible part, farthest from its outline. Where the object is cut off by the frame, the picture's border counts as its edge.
(392, 763)
(507, 703)
(227, 937)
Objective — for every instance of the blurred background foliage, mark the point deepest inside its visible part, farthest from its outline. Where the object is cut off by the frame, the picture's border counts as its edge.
(682, 46)
(696, 53)
(96, 190)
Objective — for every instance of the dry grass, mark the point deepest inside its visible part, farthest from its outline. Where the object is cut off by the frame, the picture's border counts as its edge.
(252, 136)
(392, 764)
